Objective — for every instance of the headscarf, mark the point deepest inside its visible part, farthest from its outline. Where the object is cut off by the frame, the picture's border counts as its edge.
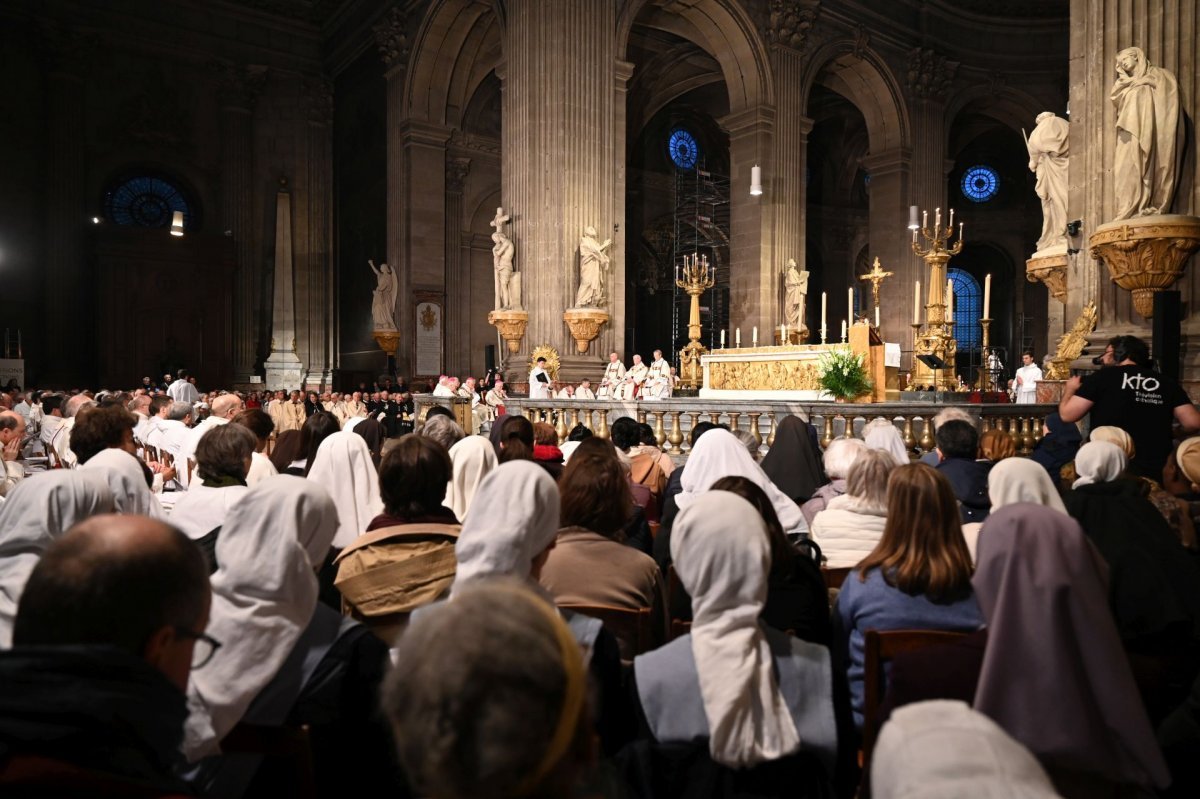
(264, 595)
(721, 552)
(38, 511)
(1058, 448)
(343, 465)
(127, 481)
(512, 519)
(792, 463)
(1014, 480)
(945, 750)
(719, 454)
(1187, 456)
(1098, 462)
(1114, 435)
(473, 458)
(371, 432)
(887, 438)
(1052, 643)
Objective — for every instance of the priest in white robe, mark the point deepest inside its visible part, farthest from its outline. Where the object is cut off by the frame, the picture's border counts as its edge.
(443, 389)
(658, 378)
(1027, 379)
(539, 381)
(634, 379)
(614, 376)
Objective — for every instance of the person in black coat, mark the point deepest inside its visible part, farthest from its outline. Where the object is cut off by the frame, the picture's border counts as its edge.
(957, 446)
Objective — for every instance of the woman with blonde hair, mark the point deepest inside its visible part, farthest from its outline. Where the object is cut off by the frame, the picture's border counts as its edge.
(851, 525)
(917, 577)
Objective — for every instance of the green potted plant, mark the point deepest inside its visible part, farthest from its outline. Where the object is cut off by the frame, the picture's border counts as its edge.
(843, 375)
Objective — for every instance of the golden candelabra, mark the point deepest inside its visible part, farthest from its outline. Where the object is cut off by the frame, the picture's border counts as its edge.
(986, 377)
(936, 336)
(696, 278)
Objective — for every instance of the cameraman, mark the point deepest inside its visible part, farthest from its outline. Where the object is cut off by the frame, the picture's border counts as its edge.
(1134, 397)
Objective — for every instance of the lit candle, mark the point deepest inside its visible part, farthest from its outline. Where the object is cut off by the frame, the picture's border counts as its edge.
(960, 227)
(952, 219)
(737, 336)
(677, 270)
(822, 310)
(937, 219)
(843, 330)
(917, 303)
(949, 300)
(722, 339)
(924, 219)
(914, 235)
(754, 336)
(987, 295)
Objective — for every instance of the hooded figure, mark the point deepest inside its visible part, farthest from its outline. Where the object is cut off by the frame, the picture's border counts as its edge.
(793, 462)
(126, 479)
(473, 459)
(343, 466)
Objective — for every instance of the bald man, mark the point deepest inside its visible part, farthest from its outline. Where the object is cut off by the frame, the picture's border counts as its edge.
(224, 408)
(107, 631)
(12, 433)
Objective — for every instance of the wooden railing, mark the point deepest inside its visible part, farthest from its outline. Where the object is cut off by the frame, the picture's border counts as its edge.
(673, 419)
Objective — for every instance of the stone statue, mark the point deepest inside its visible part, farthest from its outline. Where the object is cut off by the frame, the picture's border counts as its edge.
(593, 264)
(508, 293)
(1048, 149)
(383, 300)
(795, 293)
(1146, 160)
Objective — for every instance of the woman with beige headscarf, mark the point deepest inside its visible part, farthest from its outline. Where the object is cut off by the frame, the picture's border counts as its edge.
(1174, 510)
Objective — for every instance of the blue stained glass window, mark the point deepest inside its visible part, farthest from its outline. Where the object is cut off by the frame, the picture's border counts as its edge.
(146, 201)
(968, 308)
(683, 148)
(979, 183)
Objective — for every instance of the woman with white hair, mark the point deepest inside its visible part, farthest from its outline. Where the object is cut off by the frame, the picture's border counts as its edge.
(851, 525)
(734, 692)
(882, 434)
(839, 456)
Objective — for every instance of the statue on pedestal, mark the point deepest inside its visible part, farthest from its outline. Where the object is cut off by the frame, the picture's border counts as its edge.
(795, 294)
(1048, 150)
(1146, 159)
(383, 300)
(508, 283)
(593, 266)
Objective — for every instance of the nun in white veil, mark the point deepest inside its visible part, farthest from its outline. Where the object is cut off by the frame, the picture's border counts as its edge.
(473, 458)
(127, 481)
(344, 467)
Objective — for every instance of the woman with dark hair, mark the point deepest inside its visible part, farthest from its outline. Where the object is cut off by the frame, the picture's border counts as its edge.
(320, 426)
(578, 433)
(286, 452)
(545, 449)
(917, 577)
(223, 459)
(590, 564)
(797, 599)
(258, 422)
(371, 432)
(514, 439)
(1060, 441)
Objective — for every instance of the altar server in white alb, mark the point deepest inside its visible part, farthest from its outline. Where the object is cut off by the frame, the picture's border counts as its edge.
(658, 379)
(614, 376)
(539, 381)
(1027, 379)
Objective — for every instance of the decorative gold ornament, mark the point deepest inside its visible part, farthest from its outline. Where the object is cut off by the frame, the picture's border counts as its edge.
(696, 279)
(388, 341)
(1051, 270)
(765, 375)
(1071, 344)
(585, 325)
(1146, 255)
(511, 325)
(551, 356)
(936, 336)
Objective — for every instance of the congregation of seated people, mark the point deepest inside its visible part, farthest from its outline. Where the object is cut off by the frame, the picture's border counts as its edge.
(324, 594)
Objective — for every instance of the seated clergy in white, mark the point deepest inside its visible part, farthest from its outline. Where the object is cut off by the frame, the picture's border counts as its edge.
(634, 379)
(224, 408)
(614, 376)
(584, 391)
(443, 389)
(223, 459)
(658, 378)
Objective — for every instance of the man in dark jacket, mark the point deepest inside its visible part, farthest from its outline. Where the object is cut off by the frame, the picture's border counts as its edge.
(957, 447)
(107, 631)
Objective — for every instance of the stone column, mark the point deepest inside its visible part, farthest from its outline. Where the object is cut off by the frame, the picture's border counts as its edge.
(392, 43)
(891, 242)
(458, 272)
(753, 276)
(238, 91)
(1168, 32)
(317, 295)
(66, 354)
(563, 162)
(788, 192)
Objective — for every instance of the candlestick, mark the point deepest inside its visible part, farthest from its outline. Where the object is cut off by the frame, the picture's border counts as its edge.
(823, 332)
(917, 303)
(843, 331)
(754, 336)
(987, 295)
(823, 311)
(737, 336)
(876, 317)
(722, 339)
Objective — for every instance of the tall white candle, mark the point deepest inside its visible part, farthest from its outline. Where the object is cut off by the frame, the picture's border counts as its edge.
(924, 219)
(960, 227)
(850, 304)
(783, 334)
(987, 295)
(737, 336)
(952, 219)
(917, 303)
(722, 339)
(843, 330)
(876, 317)
(823, 298)
(937, 219)
(754, 336)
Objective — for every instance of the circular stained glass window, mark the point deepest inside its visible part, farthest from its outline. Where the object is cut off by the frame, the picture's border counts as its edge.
(146, 201)
(683, 148)
(979, 183)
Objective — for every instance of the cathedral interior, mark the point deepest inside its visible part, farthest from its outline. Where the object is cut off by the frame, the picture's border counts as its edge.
(303, 140)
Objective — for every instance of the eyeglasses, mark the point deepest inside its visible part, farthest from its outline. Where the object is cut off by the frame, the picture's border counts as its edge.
(206, 646)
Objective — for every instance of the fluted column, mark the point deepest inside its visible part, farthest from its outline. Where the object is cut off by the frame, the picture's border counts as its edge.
(392, 44)
(753, 275)
(317, 294)
(787, 195)
(238, 91)
(562, 160)
(458, 272)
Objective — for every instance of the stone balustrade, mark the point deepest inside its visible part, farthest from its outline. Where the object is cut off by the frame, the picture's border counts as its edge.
(673, 419)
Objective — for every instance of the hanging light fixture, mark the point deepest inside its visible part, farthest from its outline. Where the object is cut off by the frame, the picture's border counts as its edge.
(913, 224)
(755, 181)
(177, 223)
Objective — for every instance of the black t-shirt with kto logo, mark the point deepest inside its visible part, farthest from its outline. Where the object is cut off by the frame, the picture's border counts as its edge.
(1141, 402)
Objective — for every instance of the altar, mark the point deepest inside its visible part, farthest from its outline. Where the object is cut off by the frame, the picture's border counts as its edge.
(793, 371)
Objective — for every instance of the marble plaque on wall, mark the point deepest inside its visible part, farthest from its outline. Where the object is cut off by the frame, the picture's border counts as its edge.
(428, 338)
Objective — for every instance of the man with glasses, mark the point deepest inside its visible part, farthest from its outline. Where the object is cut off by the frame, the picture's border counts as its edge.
(92, 694)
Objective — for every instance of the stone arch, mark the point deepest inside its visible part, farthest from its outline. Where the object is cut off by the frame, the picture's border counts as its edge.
(459, 40)
(861, 76)
(1010, 107)
(722, 29)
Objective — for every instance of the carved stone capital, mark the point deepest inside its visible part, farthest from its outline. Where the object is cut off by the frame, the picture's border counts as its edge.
(585, 325)
(791, 21)
(239, 85)
(930, 74)
(1146, 254)
(511, 326)
(390, 37)
(456, 174)
(1051, 270)
(318, 99)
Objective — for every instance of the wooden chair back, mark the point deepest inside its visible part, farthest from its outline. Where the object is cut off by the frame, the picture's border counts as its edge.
(290, 744)
(835, 577)
(633, 629)
(880, 647)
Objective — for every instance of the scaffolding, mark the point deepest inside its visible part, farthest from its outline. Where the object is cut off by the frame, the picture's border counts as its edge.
(701, 228)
